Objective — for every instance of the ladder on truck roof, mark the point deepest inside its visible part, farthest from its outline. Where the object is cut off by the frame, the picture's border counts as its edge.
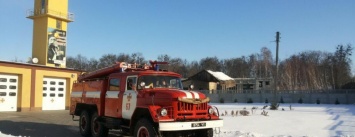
(120, 67)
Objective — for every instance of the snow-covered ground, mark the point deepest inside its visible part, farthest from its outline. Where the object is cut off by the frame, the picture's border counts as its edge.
(304, 120)
(4, 135)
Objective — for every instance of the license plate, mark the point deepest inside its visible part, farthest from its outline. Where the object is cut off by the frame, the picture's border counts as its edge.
(198, 124)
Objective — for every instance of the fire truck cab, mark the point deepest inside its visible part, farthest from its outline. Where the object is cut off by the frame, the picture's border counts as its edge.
(143, 101)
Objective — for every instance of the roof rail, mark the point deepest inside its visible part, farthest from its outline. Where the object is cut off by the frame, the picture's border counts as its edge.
(120, 67)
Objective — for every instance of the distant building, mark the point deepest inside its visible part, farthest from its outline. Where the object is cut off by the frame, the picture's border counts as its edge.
(210, 80)
(253, 84)
(218, 81)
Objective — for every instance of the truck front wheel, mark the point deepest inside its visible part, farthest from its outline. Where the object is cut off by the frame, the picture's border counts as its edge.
(204, 133)
(84, 124)
(97, 129)
(144, 128)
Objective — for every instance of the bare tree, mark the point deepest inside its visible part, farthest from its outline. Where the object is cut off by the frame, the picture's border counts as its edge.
(317, 70)
(267, 61)
(107, 60)
(341, 65)
(93, 65)
(211, 63)
(137, 58)
(193, 67)
(79, 62)
(254, 64)
(123, 57)
(238, 67)
(303, 71)
(164, 58)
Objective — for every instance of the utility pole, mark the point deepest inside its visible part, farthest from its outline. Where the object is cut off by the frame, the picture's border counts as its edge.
(277, 68)
(277, 59)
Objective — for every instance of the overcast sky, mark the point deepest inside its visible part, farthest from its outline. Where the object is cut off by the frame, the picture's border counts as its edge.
(189, 29)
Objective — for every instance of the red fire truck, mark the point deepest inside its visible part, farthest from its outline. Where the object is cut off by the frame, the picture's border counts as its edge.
(143, 101)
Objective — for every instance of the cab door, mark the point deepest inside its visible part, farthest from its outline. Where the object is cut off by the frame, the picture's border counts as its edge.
(112, 102)
(129, 102)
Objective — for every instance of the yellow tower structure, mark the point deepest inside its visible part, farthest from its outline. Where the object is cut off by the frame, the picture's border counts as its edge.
(50, 21)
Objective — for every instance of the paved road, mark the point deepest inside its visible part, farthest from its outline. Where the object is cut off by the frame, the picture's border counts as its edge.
(41, 124)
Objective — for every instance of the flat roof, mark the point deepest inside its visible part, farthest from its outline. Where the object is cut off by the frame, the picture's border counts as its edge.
(29, 65)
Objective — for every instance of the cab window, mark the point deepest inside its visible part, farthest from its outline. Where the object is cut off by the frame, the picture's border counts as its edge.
(154, 81)
(114, 84)
(131, 83)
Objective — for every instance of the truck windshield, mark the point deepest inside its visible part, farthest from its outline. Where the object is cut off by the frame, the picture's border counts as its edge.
(159, 82)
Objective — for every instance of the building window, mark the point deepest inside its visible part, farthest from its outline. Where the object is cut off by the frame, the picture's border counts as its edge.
(59, 24)
(248, 86)
(3, 80)
(43, 4)
(12, 87)
(2, 93)
(260, 84)
(12, 94)
(3, 87)
(13, 80)
(267, 83)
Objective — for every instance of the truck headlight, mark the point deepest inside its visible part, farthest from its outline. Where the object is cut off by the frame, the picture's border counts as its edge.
(210, 111)
(163, 112)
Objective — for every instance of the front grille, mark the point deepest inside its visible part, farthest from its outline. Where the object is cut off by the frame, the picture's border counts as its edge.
(191, 111)
(182, 106)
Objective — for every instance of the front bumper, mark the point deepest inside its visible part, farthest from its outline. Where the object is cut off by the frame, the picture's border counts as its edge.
(191, 125)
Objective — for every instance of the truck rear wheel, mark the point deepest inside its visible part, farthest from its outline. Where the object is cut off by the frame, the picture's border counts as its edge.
(84, 124)
(97, 129)
(204, 133)
(144, 128)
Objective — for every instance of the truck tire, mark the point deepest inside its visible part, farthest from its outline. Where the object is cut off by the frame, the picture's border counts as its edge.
(204, 132)
(97, 129)
(84, 124)
(144, 128)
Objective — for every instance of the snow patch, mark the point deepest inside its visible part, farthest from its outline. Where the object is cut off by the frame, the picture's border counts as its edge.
(220, 75)
(4, 135)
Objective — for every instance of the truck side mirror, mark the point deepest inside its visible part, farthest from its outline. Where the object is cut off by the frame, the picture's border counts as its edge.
(142, 84)
(191, 87)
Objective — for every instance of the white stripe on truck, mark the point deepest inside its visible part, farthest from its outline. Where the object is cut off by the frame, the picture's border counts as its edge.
(195, 94)
(76, 94)
(93, 94)
(112, 94)
(188, 94)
